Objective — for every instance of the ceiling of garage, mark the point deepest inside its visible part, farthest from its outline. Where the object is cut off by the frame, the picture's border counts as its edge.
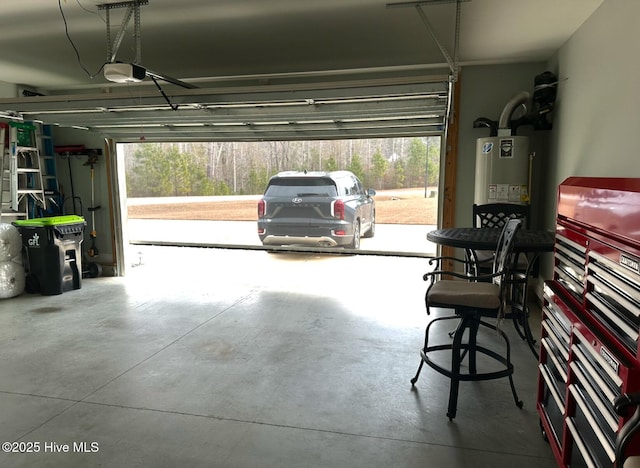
(266, 69)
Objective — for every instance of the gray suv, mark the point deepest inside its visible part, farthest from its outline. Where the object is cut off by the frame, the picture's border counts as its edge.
(324, 209)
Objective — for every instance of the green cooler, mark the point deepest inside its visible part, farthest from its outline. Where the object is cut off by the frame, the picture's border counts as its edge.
(53, 259)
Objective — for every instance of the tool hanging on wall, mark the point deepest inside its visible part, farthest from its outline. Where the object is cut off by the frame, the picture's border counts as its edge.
(92, 159)
(66, 152)
(90, 269)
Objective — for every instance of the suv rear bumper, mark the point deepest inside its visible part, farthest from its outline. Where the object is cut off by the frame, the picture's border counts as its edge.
(321, 241)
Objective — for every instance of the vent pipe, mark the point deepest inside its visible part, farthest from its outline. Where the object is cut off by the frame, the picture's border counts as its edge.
(521, 99)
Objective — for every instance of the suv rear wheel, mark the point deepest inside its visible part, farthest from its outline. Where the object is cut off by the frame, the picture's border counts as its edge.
(372, 229)
(355, 243)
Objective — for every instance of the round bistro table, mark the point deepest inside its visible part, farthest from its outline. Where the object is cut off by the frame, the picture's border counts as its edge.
(529, 242)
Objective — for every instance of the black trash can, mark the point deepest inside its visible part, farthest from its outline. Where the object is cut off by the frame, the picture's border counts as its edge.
(53, 259)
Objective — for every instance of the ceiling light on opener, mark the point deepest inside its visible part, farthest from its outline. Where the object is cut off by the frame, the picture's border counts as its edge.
(124, 72)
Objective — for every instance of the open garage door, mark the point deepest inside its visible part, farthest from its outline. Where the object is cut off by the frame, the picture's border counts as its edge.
(328, 107)
(389, 136)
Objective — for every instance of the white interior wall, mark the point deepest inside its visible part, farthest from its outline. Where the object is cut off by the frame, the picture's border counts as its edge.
(596, 120)
(597, 116)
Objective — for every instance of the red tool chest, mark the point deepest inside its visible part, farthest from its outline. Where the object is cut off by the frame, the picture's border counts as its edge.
(591, 320)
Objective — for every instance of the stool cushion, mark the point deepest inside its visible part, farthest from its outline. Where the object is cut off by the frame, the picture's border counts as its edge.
(632, 462)
(464, 293)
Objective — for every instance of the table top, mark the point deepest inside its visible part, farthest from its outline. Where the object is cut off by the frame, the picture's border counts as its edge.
(527, 240)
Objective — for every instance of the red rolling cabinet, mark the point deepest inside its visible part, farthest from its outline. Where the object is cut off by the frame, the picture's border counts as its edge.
(591, 320)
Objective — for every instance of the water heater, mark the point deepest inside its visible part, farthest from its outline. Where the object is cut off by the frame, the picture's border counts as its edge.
(502, 170)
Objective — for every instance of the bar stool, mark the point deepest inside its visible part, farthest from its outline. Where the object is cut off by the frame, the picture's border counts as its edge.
(473, 300)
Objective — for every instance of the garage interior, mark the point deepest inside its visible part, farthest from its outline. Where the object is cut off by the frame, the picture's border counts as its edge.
(230, 357)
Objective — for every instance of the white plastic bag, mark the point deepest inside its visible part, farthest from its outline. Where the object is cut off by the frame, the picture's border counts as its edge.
(10, 242)
(12, 279)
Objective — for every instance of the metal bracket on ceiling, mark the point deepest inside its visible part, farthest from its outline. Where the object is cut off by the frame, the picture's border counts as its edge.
(133, 8)
(452, 62)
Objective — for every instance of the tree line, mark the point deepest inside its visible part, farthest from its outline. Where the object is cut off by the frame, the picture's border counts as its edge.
(244, 168)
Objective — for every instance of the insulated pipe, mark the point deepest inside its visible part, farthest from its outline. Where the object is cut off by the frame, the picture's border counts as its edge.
(522, 98)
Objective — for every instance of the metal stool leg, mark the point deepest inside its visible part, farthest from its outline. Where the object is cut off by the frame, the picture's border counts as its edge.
(517, 400)
(457, 354)
(426, 343)
(415, 378)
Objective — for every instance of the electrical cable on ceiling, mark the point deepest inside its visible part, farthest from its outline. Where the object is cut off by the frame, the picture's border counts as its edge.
(89, 11)
(66, 31)
(111, 54)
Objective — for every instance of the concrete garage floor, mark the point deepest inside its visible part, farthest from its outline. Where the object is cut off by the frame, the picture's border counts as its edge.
(232, 358)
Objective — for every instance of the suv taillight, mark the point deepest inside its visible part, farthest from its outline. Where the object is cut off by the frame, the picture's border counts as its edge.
(262, 208)
(338, 209)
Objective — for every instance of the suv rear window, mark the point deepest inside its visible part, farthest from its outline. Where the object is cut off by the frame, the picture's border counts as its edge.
(301, 187)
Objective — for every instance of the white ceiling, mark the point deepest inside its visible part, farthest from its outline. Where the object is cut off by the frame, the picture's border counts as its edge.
(285, 44)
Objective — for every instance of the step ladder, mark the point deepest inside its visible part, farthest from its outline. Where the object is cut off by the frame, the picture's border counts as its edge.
(21, 185)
